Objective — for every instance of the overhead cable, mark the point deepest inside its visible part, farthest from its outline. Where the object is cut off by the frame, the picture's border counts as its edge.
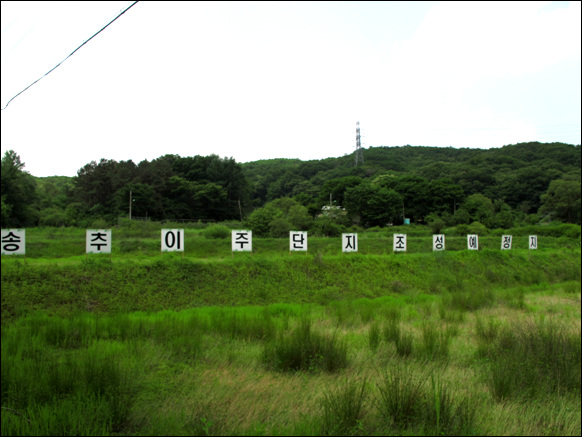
(72, 53)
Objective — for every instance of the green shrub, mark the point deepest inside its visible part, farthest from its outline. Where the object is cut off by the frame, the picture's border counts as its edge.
(462, 230)
(327, 227)
(477, 228)
(216, 232)
(279, 228)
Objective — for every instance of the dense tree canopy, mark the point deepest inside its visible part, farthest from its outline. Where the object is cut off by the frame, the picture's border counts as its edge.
(520, 183)
(562, 200)
(18, 193)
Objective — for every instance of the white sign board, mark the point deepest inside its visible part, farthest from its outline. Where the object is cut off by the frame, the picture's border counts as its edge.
(13, 241)
(506, 242)
(297, 241)
(399, 243)
(438, 242)
(349, 242)
(98, 241)
(242, 241)
(533, 241)
(473, 242)
(172, 240)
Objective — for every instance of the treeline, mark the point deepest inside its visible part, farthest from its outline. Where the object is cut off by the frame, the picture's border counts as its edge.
(171, 187)
(510, 186)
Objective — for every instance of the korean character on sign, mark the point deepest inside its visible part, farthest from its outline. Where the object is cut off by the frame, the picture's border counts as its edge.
(13, 242)
(438, 242)
(506, 242)
(98, 241)
(242, 241)
(533, 241)
(473, 242)
(399, 242)
(349, 242)
(172, 240)
(297, 241)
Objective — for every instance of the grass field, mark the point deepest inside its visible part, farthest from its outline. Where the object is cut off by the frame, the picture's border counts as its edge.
(142, 240)
(272, 343)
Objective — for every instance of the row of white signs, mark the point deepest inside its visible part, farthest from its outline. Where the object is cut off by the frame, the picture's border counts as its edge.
(99, 241)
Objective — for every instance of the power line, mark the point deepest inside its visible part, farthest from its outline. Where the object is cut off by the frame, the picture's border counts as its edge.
(72, 53)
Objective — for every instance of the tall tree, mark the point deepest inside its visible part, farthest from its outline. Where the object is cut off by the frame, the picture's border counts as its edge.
(371, 205)
(18, 193)
(336, 189)
(562, 200)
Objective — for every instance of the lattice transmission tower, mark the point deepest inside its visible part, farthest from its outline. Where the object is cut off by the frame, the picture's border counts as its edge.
(359, 152)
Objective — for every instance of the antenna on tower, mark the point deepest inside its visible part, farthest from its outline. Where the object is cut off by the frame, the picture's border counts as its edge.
(359, 151)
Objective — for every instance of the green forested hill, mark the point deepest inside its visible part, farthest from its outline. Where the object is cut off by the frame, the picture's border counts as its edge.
(514, 176)
(488, 171)
(498, 187)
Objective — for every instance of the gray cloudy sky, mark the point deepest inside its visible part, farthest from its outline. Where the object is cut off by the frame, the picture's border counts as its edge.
(258, 80)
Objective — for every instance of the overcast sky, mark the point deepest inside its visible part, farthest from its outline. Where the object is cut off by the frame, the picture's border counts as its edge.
(283, 79)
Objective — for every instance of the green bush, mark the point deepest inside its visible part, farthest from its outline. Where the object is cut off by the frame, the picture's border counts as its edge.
(216, 232)
(327, 227)
(478, 228)
(462, 230)
(279, 228)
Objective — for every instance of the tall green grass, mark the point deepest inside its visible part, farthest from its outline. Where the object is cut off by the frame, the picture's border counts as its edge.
(407, 404)
(532, 358)
(305, 349)
(454, 343)
(84, 393)
(343, 409)
(219, 370)
(170, 282)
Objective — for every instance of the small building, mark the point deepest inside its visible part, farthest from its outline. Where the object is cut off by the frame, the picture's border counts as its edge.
(332, 211)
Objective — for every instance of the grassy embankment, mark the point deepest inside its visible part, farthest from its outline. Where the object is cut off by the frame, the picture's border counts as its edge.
(447, 343)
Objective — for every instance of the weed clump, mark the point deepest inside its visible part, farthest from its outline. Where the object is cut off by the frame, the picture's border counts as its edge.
(343, 409)
(532, 359)
(404, 403)
(400, 400)
(305, 350)
(436, 341)
(374, 336)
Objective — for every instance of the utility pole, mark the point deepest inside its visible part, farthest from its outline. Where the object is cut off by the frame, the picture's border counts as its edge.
(130, 204)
